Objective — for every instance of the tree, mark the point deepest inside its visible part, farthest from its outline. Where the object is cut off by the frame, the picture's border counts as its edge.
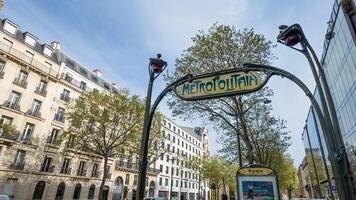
(103, 124)
(155, 150)
(223, 47)
(286, 172)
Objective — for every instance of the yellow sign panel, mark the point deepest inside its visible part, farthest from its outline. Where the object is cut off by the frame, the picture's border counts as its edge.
(255, 171)
(219, 85)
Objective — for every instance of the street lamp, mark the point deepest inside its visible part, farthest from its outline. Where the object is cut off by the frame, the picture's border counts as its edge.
(291, 36)
(155, 68)
(265, 101)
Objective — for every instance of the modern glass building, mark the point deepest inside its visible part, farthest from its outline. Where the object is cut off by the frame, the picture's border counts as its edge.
(339, 62)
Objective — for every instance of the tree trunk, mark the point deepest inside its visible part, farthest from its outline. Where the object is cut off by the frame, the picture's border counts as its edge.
(199, 186)
(103, 179)
(247, 142)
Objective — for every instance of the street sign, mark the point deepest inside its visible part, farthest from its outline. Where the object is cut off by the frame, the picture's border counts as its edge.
(257, 182)
(220, 84)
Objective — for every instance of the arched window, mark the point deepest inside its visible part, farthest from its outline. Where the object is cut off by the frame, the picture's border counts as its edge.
(60, 191)
(38, 193)
(117, 192)
(91, 192)
(76, 194)
(105, 192)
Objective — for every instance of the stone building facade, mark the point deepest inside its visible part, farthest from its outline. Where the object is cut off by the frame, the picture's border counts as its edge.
(36, 83)
(175, 177)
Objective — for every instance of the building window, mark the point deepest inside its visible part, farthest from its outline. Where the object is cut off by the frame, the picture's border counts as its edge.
(21, 79)
(70, 142)
(35, 108)
(177, 172)
(95, 172)
(60, 191)
(42, 88)
(83, 85)
(29, 57)
(76, 194)
(167, 169)
(91, 192)
(2, 68)
(59, 116)
(81, 169)
(161, 168)
(166, 181)
(161, 156)
(135, 180)
(65, 166)
(27, 132)
(53, 137)
(174, 139)
(169, 125)
(47, 50)
(30, 39)
(174, 128)
(127, 179)
(19, 161)
(46, 165)
(178, 141)
(160, 181)
(6, 120)
(173, 149)
(10, 27)
(65, 96)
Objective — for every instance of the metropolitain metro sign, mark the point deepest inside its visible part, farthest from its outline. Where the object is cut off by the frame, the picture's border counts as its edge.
(220, 84)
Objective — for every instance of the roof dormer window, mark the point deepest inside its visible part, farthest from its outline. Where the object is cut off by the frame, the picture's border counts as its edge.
(47, 50)
(10, 27)
(30, 39)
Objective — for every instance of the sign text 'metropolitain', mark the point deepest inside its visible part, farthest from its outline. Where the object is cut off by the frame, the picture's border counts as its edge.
(219, 85)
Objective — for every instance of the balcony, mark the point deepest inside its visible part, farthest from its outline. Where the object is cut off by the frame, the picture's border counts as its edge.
(59, 117)
(12, 105)
(64, 97)
(41, 91)
(32, 113)
(20, 82)
(75, 83)
(26, 140)
(134, 166)
(26, 59)
(49, 169)
(2, 75)
(95, 174)
(82, 173)
(67, 171)
(108, 176)
(17, 166)
(8, 135)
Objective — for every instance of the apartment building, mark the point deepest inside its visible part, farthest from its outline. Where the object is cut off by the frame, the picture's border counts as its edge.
(36, 83)
(175, 177)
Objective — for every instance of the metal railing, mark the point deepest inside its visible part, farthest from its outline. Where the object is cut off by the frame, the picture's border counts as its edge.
(20, 82)
(17, 166)
(120, 164)
(33, 113)
(64, 97)
(75, 83)
(27, 59)
(41, 91)
(59, 117)
(9, 135)
(12, 105)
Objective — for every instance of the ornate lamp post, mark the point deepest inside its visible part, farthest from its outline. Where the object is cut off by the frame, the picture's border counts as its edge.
(155, 68)
(291, 36)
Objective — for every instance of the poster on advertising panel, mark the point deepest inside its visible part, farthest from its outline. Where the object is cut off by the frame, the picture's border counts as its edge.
(257, 183)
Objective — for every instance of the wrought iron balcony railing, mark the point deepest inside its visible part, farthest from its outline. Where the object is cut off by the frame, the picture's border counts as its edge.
(41, 91)
(20, 82)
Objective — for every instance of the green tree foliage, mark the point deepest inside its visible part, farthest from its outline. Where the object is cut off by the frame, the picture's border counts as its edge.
(8, 131)
(103, 124)
(223, 47)
(287, 174)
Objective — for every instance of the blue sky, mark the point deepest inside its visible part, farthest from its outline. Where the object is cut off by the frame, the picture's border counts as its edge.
(119, 36)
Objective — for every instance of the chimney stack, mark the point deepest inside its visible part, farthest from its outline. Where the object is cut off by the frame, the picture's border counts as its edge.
(55, 45)
(97, 72)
